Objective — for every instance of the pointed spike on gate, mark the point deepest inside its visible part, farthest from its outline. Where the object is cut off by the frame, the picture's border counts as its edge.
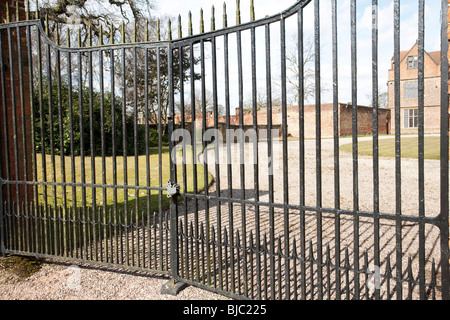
(123, 32)
(180, 27)
(158, 29)
(146, 30)
(169, 27)
(57, 35)
(90, 36)
(37, 10)
(68, 37)
(111, 34)
(46, 25)
(225, 22)
(7, 13)
(252, 10)
(17, 11)
(79, 38)
(190, 31)
(134, 31)
(213, 19)
(27, 12)
(202, 24)
(100, 37)
(238, 12)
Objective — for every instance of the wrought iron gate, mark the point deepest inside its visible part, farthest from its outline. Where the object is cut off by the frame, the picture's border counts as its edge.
(256, 205)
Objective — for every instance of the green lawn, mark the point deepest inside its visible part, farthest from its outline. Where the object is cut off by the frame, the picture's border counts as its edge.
(409, 147)
(134, 199)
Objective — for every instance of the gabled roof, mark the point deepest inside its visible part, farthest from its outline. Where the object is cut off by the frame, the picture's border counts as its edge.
(435, 55)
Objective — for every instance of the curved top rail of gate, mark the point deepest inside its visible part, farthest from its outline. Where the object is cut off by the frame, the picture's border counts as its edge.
(15, 20)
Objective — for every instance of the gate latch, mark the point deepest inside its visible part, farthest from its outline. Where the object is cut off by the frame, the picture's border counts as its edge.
(173, 189)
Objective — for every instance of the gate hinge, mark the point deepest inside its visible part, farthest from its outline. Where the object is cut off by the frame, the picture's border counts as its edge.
(173, 189)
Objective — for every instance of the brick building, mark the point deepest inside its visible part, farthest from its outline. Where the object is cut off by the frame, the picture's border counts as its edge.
(409, 103)
(365, 120)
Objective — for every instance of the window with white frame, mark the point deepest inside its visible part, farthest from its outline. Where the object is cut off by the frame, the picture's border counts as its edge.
(411, 118)
(412, 62)
(411, 89)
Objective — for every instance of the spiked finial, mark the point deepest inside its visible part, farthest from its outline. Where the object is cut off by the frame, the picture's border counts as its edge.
(27, 13)
(68, 37)
(190, 24)
(17, 12)
(225, 22)
(252, 11)
(7, 13)
(146, 31)
(158, 30)
(79, 38)
(213, 19)
(180, 31)
(134, 31)
(46, 24)
(57, 35)
(111, 35)
(100, 37)
(123, 32)
(238, 12)
(202, 25)
(90, 35)
(170, 30)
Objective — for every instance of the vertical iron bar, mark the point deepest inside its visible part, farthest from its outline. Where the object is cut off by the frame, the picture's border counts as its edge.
(136, 150)
(229, 165)
(72, 143)
(33, 127)
(421, 150)
(355, 149)
(398, 187)
(61, 140)
(124, 142)
(102, 136)
(205, 153)
(301, 126)
(14, 124)
(256, 164)
(50, 116)
(285, 156)
(174, 266)
(194, 155)
(91, 139)
(242, 157)
(375, 102)
(147, 153)
(184, 172)
(445, 273)
(271, 160)
(82, 212)
(337, 199)
(217, 157)
(318, 146)
(160, 134)
(24, 130)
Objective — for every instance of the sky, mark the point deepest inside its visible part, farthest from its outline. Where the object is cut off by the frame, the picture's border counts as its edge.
(408, 34)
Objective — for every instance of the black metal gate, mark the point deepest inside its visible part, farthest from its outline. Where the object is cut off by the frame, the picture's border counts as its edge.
(258, 203)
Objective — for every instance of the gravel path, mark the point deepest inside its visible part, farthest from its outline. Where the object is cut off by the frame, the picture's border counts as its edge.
(75, 282)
